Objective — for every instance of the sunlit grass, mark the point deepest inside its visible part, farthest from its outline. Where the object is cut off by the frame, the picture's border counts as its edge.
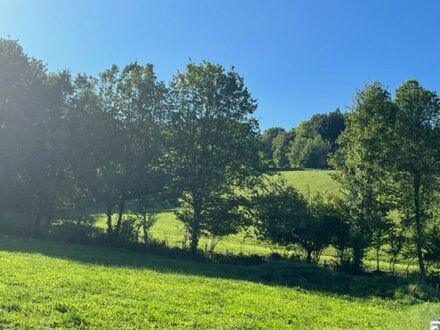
(58, 285)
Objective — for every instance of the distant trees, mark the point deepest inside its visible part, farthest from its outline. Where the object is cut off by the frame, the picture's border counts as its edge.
(306, 146)
(267, 140)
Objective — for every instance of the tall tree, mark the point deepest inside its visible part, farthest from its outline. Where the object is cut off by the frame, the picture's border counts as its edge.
(267, 139)
(31, 106)
(215, 148)
(121, 116)
(415, 167)
(360, 162)
(281, 145)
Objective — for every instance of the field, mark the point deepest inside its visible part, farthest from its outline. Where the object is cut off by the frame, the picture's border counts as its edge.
(48, 284)
(58, 285)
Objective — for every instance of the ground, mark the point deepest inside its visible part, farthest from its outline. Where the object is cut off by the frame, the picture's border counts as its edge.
(59, 285)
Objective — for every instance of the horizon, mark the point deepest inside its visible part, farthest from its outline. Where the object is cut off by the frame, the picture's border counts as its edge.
(297, 58)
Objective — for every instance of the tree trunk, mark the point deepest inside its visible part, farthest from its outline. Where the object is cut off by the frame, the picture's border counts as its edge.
(50, 209)
(358, 254)
(309, 256)
(194, 242)
(37, 215)
(419, 233)
(121, 210)
(109, 213)
(377, 259)
(194, 227)
(145, 229)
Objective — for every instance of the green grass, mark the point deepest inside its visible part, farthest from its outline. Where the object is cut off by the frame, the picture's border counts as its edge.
(56, 285)
(312, 181)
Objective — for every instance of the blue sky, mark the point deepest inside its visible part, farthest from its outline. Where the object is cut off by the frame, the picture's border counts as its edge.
(298, 57)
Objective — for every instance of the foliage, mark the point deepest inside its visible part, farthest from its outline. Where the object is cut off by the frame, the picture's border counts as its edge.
(284, 217)
(358, 161)
(267, 140)
(280, 147)
(214, 142)
(315, 139)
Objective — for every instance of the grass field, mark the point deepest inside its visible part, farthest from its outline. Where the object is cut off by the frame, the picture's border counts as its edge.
(58, 285)
(312, 181)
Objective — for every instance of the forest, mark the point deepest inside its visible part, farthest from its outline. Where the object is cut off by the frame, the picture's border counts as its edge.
(127, 145)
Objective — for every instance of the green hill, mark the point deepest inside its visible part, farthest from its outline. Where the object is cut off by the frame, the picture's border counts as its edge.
(57, 285)
(312, 181)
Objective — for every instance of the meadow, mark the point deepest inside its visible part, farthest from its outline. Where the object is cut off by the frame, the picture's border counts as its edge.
(48, 284)
(59, 285)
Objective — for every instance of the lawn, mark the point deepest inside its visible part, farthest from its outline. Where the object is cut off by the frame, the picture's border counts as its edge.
(57, 285)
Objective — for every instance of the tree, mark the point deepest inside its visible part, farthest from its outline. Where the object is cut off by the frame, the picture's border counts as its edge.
(359, 161)
(318, 232)
(278, 211)
(120, 118)
(214, 140)
(282, 216)
(31, 107)
(315, 139)
(415, 168)
(329, 126)
(139, 105)
(315, 153)
(280, 148)
(267, 140)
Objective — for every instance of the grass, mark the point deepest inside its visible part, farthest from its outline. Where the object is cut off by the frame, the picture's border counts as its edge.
(57, 285)
(312, 181)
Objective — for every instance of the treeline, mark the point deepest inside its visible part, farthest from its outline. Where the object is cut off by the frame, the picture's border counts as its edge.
(124, 142)
(307, 146)
(123, 136)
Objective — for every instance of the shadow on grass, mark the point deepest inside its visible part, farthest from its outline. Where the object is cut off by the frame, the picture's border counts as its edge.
(280, 273)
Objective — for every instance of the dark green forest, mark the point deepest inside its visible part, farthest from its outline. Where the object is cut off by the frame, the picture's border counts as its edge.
(126, 144)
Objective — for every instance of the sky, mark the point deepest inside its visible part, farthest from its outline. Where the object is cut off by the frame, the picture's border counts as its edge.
(298, 58)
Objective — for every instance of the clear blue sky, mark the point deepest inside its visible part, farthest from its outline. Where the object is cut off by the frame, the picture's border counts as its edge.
(298, 57)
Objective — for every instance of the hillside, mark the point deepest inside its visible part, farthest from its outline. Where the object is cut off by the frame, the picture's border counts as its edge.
(57, 285)
(312, 181)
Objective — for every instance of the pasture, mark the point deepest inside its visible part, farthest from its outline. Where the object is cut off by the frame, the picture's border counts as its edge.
(59, 285)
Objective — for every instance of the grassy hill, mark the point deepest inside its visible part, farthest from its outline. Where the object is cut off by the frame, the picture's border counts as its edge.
(58, 285)
(312, 181)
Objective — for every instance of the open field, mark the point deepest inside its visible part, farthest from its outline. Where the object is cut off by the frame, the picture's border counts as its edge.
(57, 285)
(312, 181)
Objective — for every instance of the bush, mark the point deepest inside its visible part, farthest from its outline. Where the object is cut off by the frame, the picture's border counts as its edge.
(72, 232)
